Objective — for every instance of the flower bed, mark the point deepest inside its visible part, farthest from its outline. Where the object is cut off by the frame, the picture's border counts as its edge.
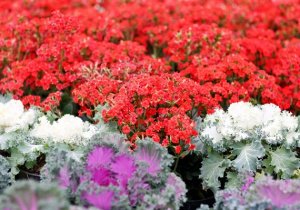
(122, 104)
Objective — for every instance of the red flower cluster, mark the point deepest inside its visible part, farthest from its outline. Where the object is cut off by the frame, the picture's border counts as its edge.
(160, 107)
(155, 63)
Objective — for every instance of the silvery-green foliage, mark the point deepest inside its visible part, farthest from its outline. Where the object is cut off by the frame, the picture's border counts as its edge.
(284, 161)
(235, 179)
(197, 140)
(6, 177)
(115, 140)
(146, 147)
(247, 138)
(58, 158)
(213, 168)
(33, 195)
(232, 199)
(247, 156)
(66, 163)
(169, 198)
(22, 149)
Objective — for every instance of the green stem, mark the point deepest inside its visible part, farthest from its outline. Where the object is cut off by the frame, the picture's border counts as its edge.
(176, 164)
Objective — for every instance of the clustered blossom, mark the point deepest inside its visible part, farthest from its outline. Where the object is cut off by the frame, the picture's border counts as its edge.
(67, 129)
(159, 107)
(265, 193)
(13, 116)
(244, 121)
(112, 178)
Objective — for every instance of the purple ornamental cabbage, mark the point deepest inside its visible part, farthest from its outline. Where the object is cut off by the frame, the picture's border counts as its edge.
(265, 193)
(280, 193)
(109, 178)
(101, 200)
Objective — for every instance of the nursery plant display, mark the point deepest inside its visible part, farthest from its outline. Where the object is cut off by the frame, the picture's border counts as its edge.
(149, 104)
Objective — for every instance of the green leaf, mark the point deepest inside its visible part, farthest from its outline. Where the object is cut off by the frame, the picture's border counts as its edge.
(247, 156)
(67, 105)
(185, 153)
(16, 157)
(4, 139)
(27, 148)
(234, 180)
(30, 164)
(51, 116)
(268, 168)
(296, 174)
(69, 108)
(213, 167)
(284, 161)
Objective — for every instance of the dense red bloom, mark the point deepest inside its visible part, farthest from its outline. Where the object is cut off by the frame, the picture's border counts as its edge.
(160, 107)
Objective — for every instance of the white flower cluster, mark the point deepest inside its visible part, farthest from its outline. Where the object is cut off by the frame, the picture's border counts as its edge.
(13, 116)
(243, 120)
(68, 129)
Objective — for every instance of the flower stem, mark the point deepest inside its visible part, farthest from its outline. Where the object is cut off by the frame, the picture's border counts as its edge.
(176, 164)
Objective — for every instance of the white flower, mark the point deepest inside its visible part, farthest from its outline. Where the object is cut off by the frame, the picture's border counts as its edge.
(226, 126)
(10, 113)
(245, 121)
(212, 133)
(26, 119)
(216, 116)
(241, 136)
(13, 116)
(288, 121)
(292, 137)
(245, 115)
(272, 131)
(270, 113)
(68, 129)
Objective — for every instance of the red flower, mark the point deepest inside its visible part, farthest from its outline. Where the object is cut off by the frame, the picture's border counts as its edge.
(177, 149)
(126, 129)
